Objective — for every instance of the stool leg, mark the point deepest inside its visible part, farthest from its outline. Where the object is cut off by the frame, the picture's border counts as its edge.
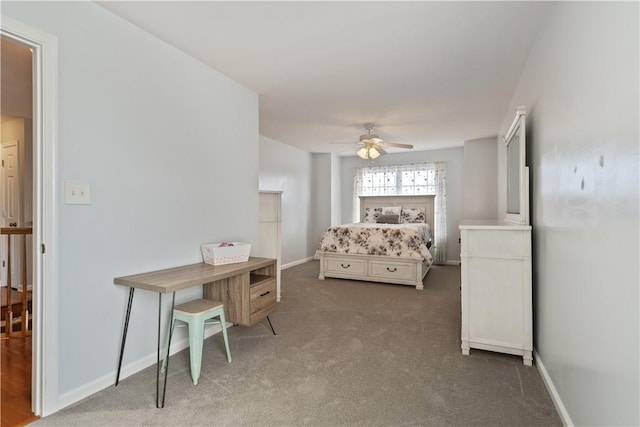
(196, 336)
(223, 324)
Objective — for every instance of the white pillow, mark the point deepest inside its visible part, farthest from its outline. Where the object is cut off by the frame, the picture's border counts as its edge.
(392, 210)
(413, 215)
(371, 214)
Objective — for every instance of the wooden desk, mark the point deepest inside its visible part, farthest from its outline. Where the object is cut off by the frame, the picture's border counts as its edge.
(247, 290)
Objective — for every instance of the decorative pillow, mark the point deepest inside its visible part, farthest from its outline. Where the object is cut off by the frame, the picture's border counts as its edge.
(413, 215)
(388, 219)
(370, 214)
(392, 210)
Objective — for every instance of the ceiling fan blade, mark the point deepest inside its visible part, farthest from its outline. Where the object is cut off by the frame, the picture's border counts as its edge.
(380, 150)
(395, 144)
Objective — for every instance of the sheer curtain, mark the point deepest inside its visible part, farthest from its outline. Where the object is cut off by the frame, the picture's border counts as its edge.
(425, 178)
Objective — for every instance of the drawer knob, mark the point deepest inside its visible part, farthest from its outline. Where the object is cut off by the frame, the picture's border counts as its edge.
(265, 293)
(392, 270)
(345, 266)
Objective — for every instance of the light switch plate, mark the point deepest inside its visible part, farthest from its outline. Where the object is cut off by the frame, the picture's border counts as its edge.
(77, 193)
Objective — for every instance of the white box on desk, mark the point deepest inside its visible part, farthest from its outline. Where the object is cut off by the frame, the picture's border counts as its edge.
(215, 254)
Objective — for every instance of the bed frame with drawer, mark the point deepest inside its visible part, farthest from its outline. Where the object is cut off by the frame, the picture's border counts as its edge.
(380, 268)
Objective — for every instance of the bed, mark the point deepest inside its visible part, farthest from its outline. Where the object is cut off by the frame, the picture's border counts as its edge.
(381, 252)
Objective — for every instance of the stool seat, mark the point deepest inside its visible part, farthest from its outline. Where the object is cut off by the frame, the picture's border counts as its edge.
(198, 306)
(195, 314)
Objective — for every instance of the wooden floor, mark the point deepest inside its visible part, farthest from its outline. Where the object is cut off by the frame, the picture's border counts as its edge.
(15, 382)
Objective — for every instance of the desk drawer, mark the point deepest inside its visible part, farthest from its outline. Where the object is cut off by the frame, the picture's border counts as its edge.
(263, 299)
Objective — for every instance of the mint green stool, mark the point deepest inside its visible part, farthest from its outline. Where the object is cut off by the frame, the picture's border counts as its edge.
(195, 314)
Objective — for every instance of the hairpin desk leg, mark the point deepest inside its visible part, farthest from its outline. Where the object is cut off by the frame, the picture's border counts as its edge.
(158, 352)
(166, 367)
(124, 333)
(269, 320)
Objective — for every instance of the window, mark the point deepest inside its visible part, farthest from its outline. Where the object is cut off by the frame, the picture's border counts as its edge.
(378, 183)
(425, 178)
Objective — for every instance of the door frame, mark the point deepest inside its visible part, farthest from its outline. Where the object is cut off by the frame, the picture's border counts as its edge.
(45, 354)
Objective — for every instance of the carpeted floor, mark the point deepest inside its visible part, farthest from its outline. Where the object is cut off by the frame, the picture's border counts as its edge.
(347, 353)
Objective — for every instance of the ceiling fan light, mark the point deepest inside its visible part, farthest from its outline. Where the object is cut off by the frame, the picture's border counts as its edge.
(371, 146)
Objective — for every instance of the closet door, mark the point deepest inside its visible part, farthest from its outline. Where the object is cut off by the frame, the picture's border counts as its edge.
(269, 239)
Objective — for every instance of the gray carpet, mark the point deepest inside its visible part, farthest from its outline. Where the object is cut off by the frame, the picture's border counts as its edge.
(347, 353)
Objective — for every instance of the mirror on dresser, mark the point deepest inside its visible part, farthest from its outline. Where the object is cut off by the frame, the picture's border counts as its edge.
(517, 188)
(495, 265)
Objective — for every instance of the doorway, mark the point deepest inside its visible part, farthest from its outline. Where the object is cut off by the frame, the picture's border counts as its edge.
(16, 222)
(40, 206)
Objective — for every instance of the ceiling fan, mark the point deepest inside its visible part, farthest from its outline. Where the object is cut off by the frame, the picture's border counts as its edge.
(371, 145)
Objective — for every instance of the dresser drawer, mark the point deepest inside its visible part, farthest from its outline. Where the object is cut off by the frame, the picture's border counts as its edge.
(347, 267)
(497, 244)
(263, 299)
(397, 270)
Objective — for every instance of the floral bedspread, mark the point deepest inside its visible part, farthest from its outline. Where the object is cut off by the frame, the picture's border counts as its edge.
(401, 240)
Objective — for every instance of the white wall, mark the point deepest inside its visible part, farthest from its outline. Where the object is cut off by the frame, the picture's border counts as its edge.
(480, 179)
(170, 149)
(454, 159)
(581, 89)
(289, 169)
(20, 129)
(15, 79)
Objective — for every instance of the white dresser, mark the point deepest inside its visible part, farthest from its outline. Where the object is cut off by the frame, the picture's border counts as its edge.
(496, 288)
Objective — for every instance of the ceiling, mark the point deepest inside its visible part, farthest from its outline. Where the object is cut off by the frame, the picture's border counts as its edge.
(431, 74)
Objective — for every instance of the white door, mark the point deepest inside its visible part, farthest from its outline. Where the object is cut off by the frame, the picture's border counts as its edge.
(11, 209)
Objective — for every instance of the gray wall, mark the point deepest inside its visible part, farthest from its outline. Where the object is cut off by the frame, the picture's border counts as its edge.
(289, 169)
(581, 88)
(170, 148)
(480, 179)
(321, 189)
(336, 188)
(454, 159)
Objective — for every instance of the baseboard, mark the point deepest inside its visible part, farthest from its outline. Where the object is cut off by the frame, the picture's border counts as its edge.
(108, 380)
(294, 263)
(555, 397)
(452, 262)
